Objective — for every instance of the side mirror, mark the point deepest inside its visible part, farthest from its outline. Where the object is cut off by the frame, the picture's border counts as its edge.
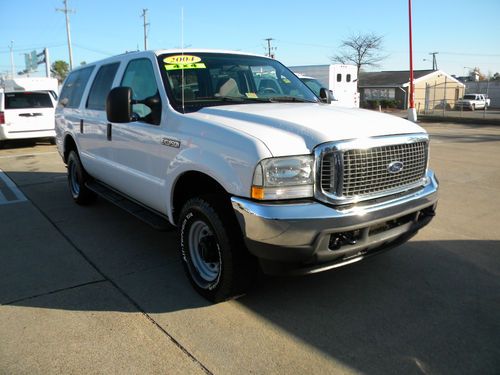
(119, 105)
(325, 95)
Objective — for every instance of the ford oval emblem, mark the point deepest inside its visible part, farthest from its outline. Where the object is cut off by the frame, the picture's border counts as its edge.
(395, 167)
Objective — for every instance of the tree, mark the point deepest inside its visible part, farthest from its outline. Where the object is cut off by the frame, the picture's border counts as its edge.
(496, 77)
(360, 50)
(60, 69)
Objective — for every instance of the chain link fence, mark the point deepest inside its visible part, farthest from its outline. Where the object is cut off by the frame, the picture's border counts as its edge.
(441, 100)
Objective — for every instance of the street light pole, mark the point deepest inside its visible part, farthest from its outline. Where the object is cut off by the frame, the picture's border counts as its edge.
(412, 113)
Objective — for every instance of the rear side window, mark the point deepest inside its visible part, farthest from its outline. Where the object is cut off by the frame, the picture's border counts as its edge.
(21, 100)
(101, 86)
(71, 93)
(339, 77)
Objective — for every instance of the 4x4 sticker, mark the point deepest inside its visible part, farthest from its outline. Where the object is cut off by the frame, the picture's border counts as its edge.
(185, 66)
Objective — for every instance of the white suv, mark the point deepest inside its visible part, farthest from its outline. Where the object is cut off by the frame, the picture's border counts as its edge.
(250, 166)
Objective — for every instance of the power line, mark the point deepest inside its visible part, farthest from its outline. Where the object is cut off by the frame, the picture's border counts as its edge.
(94, 50)
(32, 48)
(66, 11)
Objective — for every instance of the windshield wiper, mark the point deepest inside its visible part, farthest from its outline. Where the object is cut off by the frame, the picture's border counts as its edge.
(289, 99)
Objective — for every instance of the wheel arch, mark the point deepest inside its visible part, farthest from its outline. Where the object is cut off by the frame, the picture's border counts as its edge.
(68, 146)
(191, 184)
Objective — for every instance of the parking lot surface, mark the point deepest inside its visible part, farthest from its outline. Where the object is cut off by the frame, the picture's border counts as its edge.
(94, 290)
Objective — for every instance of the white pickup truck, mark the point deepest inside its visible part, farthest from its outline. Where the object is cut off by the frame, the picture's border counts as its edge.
(473, 102)
(251, 167)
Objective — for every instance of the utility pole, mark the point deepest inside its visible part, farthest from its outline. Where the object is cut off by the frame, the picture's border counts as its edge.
(47, 62)
(412, 113)
(66, 11)
(269, 48)
(13, 70)
(145, 25)
(434, 61)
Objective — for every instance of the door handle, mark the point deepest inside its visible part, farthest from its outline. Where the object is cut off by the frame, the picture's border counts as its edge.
(108, 132)
(81, 126)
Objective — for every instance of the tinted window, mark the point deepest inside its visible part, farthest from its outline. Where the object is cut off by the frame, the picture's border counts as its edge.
(348, 78)
(20, 100)
(339, 77)
(71, 94)
(101, 86)
(139, 76)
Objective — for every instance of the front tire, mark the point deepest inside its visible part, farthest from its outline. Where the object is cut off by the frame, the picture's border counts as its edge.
(77, 178)
(213, 253)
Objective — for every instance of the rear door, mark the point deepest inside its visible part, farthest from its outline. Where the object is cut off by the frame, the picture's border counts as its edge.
(27, 112)
(92, 134)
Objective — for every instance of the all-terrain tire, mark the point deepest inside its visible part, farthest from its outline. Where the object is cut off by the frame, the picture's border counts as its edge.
(213, 252)
(77, 177)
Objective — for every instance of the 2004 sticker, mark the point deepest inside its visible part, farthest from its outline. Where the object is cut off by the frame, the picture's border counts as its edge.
(181, 59)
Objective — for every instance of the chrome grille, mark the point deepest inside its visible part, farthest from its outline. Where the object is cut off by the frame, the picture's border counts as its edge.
(365, 172)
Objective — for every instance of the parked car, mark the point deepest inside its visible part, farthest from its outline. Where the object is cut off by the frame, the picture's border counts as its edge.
(250, 166)
(473, 102)
(27, 108)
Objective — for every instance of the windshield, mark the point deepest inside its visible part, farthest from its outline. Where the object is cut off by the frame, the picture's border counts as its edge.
(208, 79)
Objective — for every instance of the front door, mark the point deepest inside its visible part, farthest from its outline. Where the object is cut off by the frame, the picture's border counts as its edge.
(140, 160)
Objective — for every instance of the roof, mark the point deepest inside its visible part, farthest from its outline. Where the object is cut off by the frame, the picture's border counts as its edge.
(395, 78)
(186, 51)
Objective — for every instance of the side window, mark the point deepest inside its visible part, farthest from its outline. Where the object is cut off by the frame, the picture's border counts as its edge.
(339, 77)
(348, 78)
(139, 76)
(71, 94)
(101, 86)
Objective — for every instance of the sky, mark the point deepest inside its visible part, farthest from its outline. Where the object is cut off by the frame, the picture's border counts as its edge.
(466, 33)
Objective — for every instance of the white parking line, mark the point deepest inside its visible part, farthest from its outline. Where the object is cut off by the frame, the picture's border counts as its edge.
(11, 187)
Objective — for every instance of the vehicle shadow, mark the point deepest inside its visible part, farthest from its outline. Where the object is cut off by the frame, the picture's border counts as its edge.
(23, 143)
(429, 306)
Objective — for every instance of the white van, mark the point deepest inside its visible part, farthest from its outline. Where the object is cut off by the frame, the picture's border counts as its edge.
(340, 79)
(27, 108)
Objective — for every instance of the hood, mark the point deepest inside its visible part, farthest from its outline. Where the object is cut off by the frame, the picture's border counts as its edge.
(296, 128)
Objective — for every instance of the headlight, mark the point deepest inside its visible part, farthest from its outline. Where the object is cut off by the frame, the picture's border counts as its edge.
(284, 178)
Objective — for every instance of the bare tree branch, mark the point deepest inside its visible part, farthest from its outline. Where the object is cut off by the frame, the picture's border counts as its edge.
(360, 50)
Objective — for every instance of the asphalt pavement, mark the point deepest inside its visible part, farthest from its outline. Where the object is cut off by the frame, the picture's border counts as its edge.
(94, 290)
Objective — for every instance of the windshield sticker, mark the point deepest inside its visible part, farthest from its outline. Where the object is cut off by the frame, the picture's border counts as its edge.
(181, 59)
(251, 95)
(185, 66)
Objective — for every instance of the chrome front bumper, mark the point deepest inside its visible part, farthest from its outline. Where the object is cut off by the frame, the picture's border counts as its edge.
(302, 233)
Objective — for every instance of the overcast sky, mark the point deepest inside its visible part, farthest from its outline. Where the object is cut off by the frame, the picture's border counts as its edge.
(464, 32)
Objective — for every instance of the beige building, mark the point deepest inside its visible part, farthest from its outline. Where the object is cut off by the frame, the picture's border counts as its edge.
(434, 89)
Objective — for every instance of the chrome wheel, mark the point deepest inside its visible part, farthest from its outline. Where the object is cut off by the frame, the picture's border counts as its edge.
(204, 252)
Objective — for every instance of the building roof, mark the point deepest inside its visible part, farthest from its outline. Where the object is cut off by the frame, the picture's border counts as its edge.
(396, 78)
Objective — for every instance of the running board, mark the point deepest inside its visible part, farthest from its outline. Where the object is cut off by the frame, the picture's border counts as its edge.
(149, 217)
